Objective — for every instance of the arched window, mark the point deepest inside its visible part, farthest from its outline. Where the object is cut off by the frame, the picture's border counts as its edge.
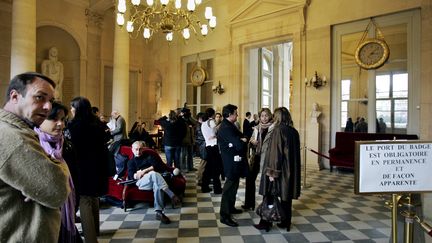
(266, 78)
(269, 78)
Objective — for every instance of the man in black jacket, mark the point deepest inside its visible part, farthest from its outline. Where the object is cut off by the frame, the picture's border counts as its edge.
(232, 145)
(247, 128)
(144, 167)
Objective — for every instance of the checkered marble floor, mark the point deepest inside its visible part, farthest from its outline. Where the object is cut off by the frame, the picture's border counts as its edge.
(327, 211)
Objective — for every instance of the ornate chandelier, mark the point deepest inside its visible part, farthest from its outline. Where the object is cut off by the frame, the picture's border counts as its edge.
(166, 16)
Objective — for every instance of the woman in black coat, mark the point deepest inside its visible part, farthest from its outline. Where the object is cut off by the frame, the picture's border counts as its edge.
(282, 166)
(88, 138)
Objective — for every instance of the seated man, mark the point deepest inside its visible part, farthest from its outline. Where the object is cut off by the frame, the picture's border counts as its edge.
(143, 167)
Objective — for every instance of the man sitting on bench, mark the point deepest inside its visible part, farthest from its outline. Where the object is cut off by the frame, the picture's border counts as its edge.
(143, 167)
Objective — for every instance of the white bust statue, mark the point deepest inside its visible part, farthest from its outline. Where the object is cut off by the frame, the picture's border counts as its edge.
(52, 68)
(315, 113)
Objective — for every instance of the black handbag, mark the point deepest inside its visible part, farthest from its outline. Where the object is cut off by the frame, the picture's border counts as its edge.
(270, 208)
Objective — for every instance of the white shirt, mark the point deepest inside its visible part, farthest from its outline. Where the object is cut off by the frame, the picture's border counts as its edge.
(208, 129)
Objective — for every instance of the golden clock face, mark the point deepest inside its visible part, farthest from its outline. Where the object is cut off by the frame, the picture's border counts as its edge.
(198, 76)
(372, 53)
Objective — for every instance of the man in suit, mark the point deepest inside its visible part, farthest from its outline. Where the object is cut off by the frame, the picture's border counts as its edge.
(232, 145)
(247, 128)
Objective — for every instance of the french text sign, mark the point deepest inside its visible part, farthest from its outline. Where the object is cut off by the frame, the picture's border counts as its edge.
(393, 166)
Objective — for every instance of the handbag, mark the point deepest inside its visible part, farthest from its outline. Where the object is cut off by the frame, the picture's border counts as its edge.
(251, 156)
(270, 208)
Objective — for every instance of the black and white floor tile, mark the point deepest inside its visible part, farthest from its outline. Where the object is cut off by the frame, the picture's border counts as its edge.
(327, 211)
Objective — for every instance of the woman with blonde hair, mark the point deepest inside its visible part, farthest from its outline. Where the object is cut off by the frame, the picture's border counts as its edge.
(258, 145)
(282, 166)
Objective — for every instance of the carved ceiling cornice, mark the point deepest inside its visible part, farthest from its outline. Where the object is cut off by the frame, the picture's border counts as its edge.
(258, 9)
(102, 5)
(94, 18)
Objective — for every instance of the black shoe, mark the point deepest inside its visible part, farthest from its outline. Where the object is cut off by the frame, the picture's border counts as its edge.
(247, 208)
(162, 217)
(263, 225)
(229, 222)
(283, 225)
(236, 211)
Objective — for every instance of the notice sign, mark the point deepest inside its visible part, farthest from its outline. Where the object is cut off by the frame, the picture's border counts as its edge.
(393, 166)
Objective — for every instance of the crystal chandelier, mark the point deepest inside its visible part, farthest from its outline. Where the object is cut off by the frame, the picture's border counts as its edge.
(165, 16)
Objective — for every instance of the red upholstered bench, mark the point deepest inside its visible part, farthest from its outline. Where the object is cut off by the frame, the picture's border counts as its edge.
(127, 193)
(342, 155)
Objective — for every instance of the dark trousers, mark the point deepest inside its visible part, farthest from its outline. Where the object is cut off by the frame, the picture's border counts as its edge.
(212, 169)
(250, 183)
(229, 193)
(287, 209)
(186, 158)
(172, 154)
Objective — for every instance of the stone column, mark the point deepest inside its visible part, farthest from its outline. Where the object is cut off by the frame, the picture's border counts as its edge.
(94, 30)
(120, 96)
(23, 44)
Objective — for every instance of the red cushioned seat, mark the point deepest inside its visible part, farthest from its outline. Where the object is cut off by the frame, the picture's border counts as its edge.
(128, 193)
(342, 155)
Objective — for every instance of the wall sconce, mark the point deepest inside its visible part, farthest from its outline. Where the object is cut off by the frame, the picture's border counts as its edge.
(316, 81)
(218, 89)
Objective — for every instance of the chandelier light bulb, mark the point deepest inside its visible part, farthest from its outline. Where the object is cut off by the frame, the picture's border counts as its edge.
(164, 17)
(120, 19)
(191, 5)
(146, 33)
(178, 4)
(121, 6)
(186, 33)
(164, 2)
(129, 26)
(204, 30)
(136, 2)
(212, 22)
(208, 13)
(169, 36)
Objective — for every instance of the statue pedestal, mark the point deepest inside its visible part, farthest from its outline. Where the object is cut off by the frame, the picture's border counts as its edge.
(313, 139)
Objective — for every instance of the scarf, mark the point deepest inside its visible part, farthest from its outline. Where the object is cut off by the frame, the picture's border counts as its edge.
(53, 146)
(261, 128)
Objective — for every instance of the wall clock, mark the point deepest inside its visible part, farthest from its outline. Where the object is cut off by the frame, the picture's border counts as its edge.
(372, 53)
(198, 76)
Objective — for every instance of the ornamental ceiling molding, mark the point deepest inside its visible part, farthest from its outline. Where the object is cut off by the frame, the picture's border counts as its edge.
(101, 6)
(80, 3)
(94, 18)
(257, 10)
